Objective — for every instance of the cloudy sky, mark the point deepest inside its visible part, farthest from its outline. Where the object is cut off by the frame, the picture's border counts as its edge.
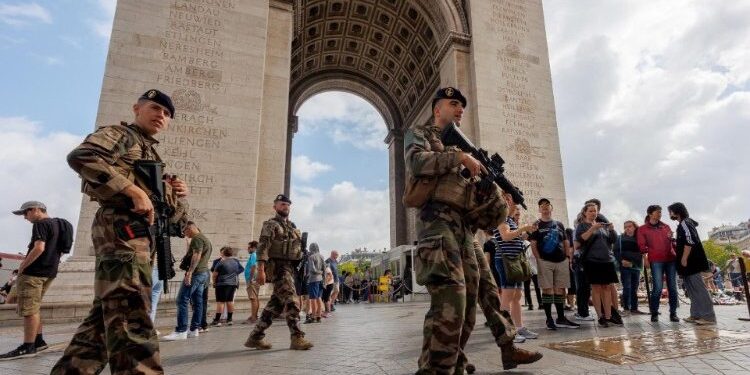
(653, 104)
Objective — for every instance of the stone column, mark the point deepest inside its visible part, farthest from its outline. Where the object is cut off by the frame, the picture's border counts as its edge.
(397, 174)
(514, 109)
(291, 131)
(273, 142)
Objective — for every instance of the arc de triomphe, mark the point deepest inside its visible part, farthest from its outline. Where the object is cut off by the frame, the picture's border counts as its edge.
(238, 70)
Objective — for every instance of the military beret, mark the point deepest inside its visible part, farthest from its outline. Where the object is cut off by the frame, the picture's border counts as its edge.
(449, 93)
(282, 198)
(159, 97)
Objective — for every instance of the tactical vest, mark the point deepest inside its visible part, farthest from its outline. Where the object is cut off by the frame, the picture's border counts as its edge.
(287, 245)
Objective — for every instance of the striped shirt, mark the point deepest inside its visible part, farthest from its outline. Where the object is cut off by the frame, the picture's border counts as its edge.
(512, 247)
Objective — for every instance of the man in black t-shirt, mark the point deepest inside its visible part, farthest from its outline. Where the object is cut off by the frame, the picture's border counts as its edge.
(36, 273)
(553, 253)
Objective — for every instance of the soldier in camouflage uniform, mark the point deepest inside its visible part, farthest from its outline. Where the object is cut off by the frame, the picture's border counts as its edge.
(118, 329)
(455, 277)
(279, 252)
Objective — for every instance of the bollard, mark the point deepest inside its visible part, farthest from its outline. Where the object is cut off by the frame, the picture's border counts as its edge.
(743, 274)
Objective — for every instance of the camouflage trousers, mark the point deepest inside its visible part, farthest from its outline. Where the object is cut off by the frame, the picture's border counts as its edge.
(118, 329)
(447, 266)
(281, 274)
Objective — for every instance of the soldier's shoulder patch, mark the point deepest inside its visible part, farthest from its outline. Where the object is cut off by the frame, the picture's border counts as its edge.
(108, 137)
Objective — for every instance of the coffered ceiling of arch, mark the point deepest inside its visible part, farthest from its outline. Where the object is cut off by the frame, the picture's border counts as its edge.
(393, 45)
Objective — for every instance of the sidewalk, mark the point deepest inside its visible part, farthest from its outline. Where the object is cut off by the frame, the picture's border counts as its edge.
(386, 339)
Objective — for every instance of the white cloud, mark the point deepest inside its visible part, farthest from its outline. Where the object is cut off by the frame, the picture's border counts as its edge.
(342, 218)
(662, 88)
(51, 60)
(305, 169)
(345, 118)
(23, 14)
(33, 167)
(102, 25)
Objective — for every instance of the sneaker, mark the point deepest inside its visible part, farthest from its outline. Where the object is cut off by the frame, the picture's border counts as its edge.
(229, 322)
(317, 320)
(587, 318)
(194, 333)
(156, 331)
(565, 323)
(637, 312)
(603, 322)
(309, 320)
(40, 345)
(216, 323)
(519, 339)
(674, 318)
(175, 336)
(22, 351)
(690, 319)
(625, 313)
(203, 329)
(704, 322)
(526, 333)
(654, 318)
(551, 325)
(531, 307)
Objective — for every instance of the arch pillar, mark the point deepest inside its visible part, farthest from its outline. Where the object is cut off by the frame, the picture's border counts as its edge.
(397, 180)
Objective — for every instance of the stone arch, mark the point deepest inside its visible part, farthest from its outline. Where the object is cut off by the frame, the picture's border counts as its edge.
(388, 52)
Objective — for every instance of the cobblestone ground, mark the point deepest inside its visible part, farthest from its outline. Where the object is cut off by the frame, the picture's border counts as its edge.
(385, 339)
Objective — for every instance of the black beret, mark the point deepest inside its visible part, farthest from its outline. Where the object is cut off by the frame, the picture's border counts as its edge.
(282, 198)
(449, 93)
(159, 97)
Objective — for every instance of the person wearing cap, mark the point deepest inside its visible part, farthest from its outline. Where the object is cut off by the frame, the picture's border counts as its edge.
(122, 281)
(446, 250)
(552, 252)
(279, 254)
(35, 275)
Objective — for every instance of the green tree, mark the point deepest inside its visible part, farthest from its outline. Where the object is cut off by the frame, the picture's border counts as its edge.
(719, 254)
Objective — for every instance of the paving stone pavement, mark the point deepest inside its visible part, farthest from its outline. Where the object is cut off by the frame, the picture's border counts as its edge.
(386, 339)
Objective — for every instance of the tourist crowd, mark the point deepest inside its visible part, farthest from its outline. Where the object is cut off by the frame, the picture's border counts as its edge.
(594, 264)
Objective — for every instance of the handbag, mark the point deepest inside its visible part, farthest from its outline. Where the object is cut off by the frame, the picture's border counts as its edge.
(517, 268)
(185, 262)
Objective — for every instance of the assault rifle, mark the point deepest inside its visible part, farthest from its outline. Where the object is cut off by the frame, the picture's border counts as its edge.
(150, 172)
(452, 136)
(301, 266)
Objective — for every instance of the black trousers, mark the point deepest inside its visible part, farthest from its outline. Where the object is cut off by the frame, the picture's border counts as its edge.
(527, 291)
(583, 292)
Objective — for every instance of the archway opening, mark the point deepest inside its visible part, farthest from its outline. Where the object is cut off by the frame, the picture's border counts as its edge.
(339, 179)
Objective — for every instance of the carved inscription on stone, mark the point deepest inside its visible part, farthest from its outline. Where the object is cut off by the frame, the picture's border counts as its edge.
(518, 96)
(194, 58)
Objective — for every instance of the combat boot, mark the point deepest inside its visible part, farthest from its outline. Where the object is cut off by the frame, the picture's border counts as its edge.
(299, 343)
(513, 356)
(260, 344)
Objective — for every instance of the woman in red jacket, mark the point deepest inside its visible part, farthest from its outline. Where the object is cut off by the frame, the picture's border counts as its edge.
(655, 239)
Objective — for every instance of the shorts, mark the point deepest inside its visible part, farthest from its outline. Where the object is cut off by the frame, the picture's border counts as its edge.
(315, 289)
(504, 283)
(252, 290)
(225, 293)
(553, 274)
(29, 291)
(600, 273)
(327, 291)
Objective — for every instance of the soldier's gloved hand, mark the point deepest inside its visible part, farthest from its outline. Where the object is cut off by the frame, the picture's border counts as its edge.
(261, 278)
(141, 203)
(180, 187)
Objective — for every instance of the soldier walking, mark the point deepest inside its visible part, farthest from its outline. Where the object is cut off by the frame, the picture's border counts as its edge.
(118, 329)
(279, 252)
(446, 249)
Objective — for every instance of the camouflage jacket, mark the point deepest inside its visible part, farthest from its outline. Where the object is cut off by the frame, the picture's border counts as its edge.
(425, 154)
(105, 162)
(277, 227)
